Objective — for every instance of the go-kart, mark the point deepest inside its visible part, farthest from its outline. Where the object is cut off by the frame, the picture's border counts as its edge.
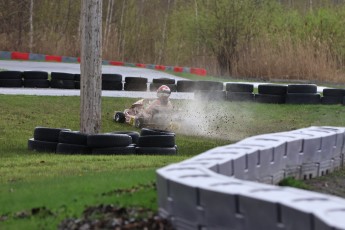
(160, 118)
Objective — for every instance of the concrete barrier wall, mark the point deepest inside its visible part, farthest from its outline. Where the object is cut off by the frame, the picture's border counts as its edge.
(232, 187)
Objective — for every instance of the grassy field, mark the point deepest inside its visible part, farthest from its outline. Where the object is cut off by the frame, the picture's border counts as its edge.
(38, 190)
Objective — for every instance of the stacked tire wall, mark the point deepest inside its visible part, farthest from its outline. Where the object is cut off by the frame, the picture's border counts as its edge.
(65, 141)
(152, 141)
(203, 90)
(11, 79)
(232, 187)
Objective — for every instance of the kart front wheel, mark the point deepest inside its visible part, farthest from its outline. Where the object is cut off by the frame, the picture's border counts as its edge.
(139, 122)
(119, 117)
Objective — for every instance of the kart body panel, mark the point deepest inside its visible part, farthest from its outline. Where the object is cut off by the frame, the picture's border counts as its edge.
(161, 117)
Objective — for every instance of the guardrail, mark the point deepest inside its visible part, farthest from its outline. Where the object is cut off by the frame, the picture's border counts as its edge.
(54, 58)
(232, 187)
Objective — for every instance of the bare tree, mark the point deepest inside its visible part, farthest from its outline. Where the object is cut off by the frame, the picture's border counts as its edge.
(122, 38)
(91, 67)
(31, 34)
(164, 35)
(108, 19)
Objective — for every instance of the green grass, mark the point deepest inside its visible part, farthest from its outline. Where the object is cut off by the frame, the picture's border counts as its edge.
(66, 184)
(291, 182)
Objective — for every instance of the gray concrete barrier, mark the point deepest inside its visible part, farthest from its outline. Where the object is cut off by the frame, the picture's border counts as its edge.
(233, 186)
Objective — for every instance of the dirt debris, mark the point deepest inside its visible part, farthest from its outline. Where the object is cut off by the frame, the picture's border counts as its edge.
(112, 217)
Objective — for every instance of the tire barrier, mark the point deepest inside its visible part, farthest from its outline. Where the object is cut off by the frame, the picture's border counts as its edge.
(271, 93)
(157, 82)
(232, 187)
(333, 96)
(239, 92)
(36, 83)
(274, 94)
(11, 79)
(302, 94)
(135, 84)
(62, 80)
(154, 141)
(112, 82)
(203, 90)
(45, 139)
(185, 86)
(35, 79)
(54, 58)
(65, 141)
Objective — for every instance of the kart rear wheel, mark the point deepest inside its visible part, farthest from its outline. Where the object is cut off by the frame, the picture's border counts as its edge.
(119, 117)
(139, 123)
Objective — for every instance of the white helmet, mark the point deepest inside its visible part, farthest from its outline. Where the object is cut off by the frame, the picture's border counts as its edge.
(163, 92)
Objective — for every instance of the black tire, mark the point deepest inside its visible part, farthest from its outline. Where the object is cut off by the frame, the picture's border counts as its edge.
(48, 134)
(210, 95)
(272, 99)
(11, 83)
(111, 85)
(303, 98)
(114, 150)
(62, 84)
(302, 88)
(119, 117)
(107, 140)
(73, 137)
(331, 100)
(334, 92)
(155, 132)
(77, 84)
(239, 96)
(136, 80)
(11, 75)
(72, 149)
(62, 76)
(135, 87)
(185, 86)
(36, 83)
(77, 77)
(139, 123)
(164, 81)
(209, 85)
(35, 75)
(239, 87)
(134, 135)
(112, 77)
(156, 151)
(42, 146)
(272, 89)
(155, 86)
(157, 141)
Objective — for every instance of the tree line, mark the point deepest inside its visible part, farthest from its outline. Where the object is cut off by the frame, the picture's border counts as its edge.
(266, 39)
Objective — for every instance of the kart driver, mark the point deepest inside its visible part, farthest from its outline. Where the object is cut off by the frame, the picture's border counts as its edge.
(162, 102)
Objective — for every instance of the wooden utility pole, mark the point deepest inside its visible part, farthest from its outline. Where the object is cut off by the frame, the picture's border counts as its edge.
(91, 67)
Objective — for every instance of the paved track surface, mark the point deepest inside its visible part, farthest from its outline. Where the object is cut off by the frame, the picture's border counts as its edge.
(76, 92)
(75, 68)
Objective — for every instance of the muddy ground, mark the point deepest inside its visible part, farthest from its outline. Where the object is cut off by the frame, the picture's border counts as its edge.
(333, 184)
(111, 217)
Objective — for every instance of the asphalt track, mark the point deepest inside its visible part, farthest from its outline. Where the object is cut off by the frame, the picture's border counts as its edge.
(75, 68)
